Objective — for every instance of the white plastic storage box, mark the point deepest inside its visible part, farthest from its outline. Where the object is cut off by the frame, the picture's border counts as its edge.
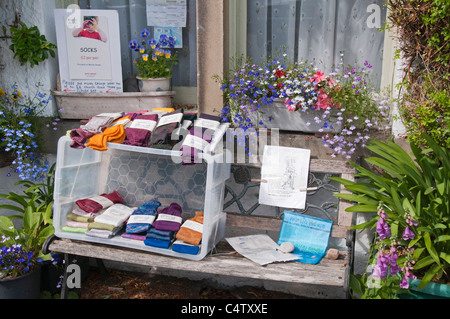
(141, 174)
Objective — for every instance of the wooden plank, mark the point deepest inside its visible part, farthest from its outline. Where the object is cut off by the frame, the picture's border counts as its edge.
(272, 224)
(328, 272)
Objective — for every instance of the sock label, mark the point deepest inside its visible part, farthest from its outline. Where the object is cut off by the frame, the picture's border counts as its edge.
(195, 226)
(148, 125)
(174, 118)
(205, 123)
(105, 202)
(169, 218)
(195, 142)
(141, 219)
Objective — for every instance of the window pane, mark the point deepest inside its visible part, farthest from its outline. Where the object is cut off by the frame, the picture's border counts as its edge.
(132, 19)
(317, 30)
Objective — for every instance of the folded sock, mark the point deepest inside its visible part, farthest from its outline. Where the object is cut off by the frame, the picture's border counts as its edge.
(199, 137)
(74, 229)
(142, 218)
(160, 234)
(113, 134)
(133, 236)
(77, 218)
(133, 115)
(79, 138)
(139, 131)
(169, 218)
(185, 248)
(167, 123)
(191, 231)
(96, 203)
(71, 223)
(115, 215)
(97, 124)
(97, 225)
(102, 233)
(157, 242)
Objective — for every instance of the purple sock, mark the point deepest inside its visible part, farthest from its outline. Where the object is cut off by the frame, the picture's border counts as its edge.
(139, 133)
(190, 154)
(169, 218)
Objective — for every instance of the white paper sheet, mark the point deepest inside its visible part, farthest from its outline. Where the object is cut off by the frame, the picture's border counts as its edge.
(166, 13)
(284, 175)
(260, 249)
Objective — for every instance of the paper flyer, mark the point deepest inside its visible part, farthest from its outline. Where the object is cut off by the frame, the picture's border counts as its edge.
(284, 175)
(310, 235)
(260, 249)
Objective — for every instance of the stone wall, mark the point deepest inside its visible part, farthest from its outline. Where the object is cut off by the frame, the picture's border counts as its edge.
(40, 14)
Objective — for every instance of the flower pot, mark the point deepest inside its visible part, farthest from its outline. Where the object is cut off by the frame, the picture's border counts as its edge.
(22, 287)
(153, 85)
(285, 120)
(430, 291)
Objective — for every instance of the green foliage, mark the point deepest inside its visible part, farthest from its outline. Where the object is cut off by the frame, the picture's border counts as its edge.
(35, 210)
(410, 188)
(426, 112)
(29, 45)
(424, 32)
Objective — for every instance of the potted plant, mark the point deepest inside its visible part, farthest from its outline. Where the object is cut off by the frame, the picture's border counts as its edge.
(155, 61)
(21, 254)
(21, 126)
(29, 45)
(409, 198)
(300, 97)
(22, 257)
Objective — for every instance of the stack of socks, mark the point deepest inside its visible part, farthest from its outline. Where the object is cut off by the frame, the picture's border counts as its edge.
(162, 135)
(116, 215)
(142, 218)
(200, 135)
(189, 236)
(109, 223)
(191, 231)
(169, 218)
(96, 125)
(159, 238)
(140, 130)
(92, 205)
(163, 229)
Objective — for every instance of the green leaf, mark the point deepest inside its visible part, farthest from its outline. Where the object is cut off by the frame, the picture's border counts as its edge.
(362, 208)
(408, 207)
(430, 248)
(443, 238)
(429, 275)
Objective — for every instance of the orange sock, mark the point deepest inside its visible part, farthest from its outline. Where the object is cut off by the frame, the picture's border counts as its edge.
(114, 134)
(191, 231)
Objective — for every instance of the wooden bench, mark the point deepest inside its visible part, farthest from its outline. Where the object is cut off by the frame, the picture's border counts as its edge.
(223, 260)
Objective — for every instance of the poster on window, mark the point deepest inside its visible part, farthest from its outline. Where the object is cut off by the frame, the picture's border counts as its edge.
(89, 51)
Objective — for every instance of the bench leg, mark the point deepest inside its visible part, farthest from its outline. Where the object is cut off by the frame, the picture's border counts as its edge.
(101, 266)
(64, 288)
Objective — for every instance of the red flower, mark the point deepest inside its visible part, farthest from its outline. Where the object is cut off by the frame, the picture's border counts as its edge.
(279, 73)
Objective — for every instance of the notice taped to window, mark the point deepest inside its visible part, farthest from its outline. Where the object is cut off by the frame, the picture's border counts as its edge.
(89, 51)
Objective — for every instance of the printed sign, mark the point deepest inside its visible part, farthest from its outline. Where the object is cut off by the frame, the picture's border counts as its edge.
(89, 51)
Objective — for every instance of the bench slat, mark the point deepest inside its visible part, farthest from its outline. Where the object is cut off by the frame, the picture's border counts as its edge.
(328, 272)
(272, 224)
